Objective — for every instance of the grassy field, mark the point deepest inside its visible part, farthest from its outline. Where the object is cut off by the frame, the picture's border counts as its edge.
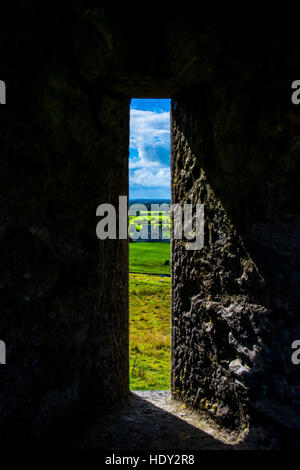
(149, 315)
(151, 216)
(155, 218)
(149, 257)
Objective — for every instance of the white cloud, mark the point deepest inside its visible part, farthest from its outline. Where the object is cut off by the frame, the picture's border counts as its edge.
(151, 178)
(150, 137)
(157, 126)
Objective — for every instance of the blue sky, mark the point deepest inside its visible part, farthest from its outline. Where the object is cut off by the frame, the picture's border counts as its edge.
(149, 149)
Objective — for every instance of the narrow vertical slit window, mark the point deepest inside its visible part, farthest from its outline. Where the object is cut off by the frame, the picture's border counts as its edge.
(149, 244)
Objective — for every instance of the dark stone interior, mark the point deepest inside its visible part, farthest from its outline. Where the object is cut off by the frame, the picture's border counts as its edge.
(70, 74)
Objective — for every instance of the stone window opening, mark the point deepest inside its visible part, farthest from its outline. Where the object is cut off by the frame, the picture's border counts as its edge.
(149, 245)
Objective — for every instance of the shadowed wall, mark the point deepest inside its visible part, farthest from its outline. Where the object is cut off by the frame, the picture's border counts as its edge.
(236, 301)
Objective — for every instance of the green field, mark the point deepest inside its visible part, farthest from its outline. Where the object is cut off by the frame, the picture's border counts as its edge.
(155, 218)
(149, 315)
(149, 257)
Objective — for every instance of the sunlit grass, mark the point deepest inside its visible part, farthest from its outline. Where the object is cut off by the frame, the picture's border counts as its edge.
(149, 257)
(149, 305)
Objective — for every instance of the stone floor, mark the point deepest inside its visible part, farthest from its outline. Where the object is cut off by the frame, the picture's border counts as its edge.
(152, 420)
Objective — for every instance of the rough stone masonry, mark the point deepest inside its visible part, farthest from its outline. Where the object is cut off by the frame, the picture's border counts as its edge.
(70, 74)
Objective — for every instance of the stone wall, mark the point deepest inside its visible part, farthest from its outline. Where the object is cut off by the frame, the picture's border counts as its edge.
(64, 151)
(236, 301)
